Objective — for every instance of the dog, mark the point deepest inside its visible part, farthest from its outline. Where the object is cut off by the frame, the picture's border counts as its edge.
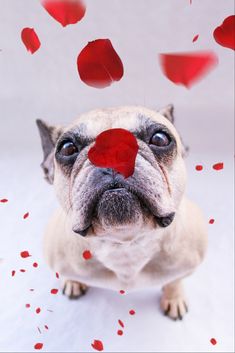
(139, 231)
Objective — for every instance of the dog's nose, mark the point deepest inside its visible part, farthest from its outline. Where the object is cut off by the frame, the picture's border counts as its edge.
(167, 220)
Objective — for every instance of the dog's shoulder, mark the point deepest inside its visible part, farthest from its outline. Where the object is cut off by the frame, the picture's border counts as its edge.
(186, 241)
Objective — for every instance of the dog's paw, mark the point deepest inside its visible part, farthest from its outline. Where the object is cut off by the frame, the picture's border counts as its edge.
(174, 308)
(73, 289)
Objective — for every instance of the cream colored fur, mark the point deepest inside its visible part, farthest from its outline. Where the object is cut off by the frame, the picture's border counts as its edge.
(129, 257)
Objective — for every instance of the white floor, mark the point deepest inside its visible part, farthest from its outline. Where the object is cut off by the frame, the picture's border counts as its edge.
(46, 85)
(73, 325)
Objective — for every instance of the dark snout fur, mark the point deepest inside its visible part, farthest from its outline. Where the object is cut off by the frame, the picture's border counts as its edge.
(118, 206)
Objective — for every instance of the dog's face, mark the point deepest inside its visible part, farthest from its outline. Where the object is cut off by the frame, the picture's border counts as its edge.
(101, 202)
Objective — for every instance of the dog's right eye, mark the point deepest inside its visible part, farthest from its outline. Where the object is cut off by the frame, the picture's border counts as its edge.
(68, 149)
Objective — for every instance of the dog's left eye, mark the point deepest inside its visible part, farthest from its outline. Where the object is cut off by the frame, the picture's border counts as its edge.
(160, 139)
(68, 148)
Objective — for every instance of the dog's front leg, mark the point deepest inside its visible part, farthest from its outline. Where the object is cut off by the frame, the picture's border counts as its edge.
(173, 302)
(73, 289)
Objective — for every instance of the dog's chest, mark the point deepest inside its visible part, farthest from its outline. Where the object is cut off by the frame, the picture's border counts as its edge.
(127, 260)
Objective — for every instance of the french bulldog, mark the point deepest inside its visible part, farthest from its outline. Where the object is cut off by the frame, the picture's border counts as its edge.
(139, 231)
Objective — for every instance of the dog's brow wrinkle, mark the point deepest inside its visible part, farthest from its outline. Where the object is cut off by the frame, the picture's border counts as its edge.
(145, 121)
(80, 134)
(165, 178)
(142, 118)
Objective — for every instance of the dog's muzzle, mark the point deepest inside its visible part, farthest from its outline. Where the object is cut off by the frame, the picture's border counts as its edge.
(123, 193)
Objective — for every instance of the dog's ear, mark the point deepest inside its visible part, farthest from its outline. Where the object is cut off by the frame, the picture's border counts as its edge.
(49, 135)
(167, 112)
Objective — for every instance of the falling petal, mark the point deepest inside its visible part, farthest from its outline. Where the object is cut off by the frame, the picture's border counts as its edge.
(225, 33)
(66, 12)
(98, 64)
(187, 68)
(30, 39)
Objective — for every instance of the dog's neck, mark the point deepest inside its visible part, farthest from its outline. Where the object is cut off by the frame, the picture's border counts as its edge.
(127, 258)
(123, 234)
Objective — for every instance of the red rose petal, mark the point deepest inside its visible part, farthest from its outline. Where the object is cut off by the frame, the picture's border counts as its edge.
(22, 270)
(199, 167)
(25, 254)
(35, 264)
(27, 306)
(213, 341)
(38, 346)
(57, 275)
(211, 221)
(98, 64)
(218, 166)
(46, 327)
(195, 38)
(120, 332)
(38, 310)
(132, 312)
(13, 273)
(117, 149)
(26, 215)
(87, 255)
(225, 33)
(54, 291)
(66, 12)
(30, 39)
(122, 291)
(121, 323)
(4, 200)
(97, 345)
(187, 68)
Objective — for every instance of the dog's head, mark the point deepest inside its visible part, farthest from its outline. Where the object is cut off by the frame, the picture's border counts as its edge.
(100, 201)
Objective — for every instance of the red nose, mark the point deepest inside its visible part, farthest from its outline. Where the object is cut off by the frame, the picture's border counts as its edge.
(116, 149)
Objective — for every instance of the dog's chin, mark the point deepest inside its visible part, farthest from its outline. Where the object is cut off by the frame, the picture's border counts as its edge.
(118, 208)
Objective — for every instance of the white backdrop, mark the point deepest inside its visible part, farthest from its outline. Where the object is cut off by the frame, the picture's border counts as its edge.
(46, 85)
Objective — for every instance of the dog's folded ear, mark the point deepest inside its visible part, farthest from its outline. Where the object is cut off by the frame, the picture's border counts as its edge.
(167, 112)
(49, 135)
